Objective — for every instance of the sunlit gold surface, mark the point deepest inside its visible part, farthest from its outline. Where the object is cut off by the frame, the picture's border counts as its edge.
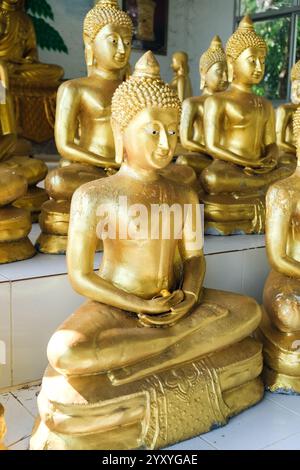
(181, 82)
(2, 428)
(214, 79)
(239, 129)
(83, 131)
(33, 84)
(153, 357)
(284, 119)
(280, 329)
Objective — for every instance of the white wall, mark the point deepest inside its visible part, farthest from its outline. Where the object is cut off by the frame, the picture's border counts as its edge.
(192, 24)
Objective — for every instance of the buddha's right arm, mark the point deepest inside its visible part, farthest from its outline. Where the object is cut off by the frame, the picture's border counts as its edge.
(282, 119)
(189, 113)
(82, 244)
(66, 129)
(278, 221)
(214, 118)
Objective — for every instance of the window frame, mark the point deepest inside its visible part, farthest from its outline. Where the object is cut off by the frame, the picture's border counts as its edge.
(292, 12)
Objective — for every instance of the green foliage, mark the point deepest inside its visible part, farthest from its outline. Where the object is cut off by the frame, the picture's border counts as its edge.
(47, 36)
(39, 8)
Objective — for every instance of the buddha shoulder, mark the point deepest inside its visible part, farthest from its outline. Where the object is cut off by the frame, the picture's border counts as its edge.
(282, 193)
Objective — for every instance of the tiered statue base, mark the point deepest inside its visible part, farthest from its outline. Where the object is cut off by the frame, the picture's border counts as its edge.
(229, 215)
(157, 411)
(32, 202)
(191, 377)
(282, 358)
(54, 222)
(15, 225)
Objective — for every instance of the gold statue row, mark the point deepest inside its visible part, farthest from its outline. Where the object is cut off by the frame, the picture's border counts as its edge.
(153, 357)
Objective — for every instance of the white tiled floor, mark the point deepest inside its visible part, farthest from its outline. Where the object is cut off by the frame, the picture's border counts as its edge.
(274, 424)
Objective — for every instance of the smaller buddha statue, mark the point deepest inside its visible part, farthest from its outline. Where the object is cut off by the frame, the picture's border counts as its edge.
(280, 328)
(152, 357)
(214, 79)
(181, 81)
(2, 428)
(284, 120)
(239, 129)
(83, 131)
(12, 158)
(34, 84)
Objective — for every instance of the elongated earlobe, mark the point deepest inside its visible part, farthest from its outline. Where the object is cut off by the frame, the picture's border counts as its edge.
(202, 82)
(119, 146)
(89, 56)
(230, 71)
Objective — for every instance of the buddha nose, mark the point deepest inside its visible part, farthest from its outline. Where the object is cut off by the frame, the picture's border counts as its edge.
(121, 47)
(163, 141)
(258, 66)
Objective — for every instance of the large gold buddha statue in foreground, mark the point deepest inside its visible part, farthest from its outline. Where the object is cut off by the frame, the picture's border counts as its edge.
(239, 129)
(280, 329)
(152, 357)
(2, 428)
(214, 78)
(181, 81)
(284, 119)
(83, 131)
(34, 84)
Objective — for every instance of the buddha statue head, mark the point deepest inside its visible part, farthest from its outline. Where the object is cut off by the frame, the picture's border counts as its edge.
(180, 63)
(145, 118)
(295, 78)
(246, 54)
(213, 67)
(107, 34)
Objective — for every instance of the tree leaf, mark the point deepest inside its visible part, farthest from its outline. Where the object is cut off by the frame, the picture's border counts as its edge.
(47, 36)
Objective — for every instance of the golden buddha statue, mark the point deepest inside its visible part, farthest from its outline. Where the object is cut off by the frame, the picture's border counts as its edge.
(181, 81)
(152, 357)
(83, 131)
(284, 119)
(280, 328)
(214, 79)
(11, 157)
(34, 84)
(239, 129)
(2, 428)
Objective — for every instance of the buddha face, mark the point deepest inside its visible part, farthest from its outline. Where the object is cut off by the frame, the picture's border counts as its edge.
(150, 138)
(249, 67)
(296, 91)
(112, 47)
(216, 79)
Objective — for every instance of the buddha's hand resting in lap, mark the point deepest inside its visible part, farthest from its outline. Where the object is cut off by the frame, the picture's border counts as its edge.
(175, 314)
(264, 165)
(163, 304)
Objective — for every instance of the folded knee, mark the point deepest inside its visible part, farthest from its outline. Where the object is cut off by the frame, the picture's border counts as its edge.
(286, 312)
(65, 351)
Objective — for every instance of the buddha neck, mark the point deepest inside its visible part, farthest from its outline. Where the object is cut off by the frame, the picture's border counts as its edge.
(8, 7)
(137, 173)
(106, 74)
(246, 88)
(207, 92)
